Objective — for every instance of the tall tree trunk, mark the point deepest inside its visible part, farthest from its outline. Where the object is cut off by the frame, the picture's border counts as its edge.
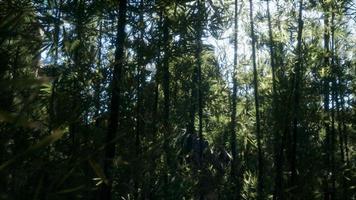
(98, 66)
(339, 118)
(235, 172)
(339, 111)
(333, 102)
(260, 180)
(345, 132)
(140, 81)
(343, 137)
(327, 102)
(155, 121)
(51, 108)
(166, 100)
(278, 139)
(296, 103)
(166, 82)
(200, 95)
(74, 126)
(105, 192)
(97, 108)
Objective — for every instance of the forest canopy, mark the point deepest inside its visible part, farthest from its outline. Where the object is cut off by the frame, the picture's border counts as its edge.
(177, 99)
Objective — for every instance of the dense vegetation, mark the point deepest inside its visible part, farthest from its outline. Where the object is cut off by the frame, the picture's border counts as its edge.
(177, 99)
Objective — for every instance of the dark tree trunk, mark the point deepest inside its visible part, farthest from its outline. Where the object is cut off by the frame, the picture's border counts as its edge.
(166, 103)
(166, 84)
(343, 135)
(140, 84)
(105, 190)
(200, 95)
(333, 102)
(328, 192)
(296, 103)
(151, 193)
(278, 139)
(235, 172)
(345, 132)
(98, 80)
(260, 193)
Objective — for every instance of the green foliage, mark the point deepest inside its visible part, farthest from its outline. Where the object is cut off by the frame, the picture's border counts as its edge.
(57, 61)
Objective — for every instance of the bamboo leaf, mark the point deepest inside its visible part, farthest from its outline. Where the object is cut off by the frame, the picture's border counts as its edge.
(70, 190)
(98, 171)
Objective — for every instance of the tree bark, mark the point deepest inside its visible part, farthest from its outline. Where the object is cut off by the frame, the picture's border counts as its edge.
(140, 84)
(260, 193)
(235, 172)
(278, 139)
(166, 102)
(328, 142)
(198, 86)
(166, 84)
(296, 103)
(105, 190)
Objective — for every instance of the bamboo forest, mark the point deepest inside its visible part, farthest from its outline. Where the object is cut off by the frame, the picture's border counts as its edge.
(177, 99)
